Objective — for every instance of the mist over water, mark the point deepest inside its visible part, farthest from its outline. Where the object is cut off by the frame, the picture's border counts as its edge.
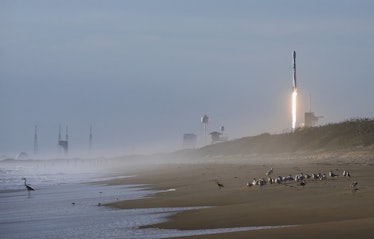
(66, 205)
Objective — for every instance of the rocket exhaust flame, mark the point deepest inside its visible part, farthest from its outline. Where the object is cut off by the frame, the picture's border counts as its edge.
(294, 92)
(294, 99)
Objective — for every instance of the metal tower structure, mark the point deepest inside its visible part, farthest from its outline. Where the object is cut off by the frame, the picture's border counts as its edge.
(90, 140)
(36, 140)
(63, 143)
(204, 126)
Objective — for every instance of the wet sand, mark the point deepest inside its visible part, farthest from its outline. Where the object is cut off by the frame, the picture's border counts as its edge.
(321, 208)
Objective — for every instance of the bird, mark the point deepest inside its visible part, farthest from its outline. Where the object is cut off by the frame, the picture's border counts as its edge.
(302, 183)
(332, 174)
(354, 184)
(269, 172)
(254, 182)
(220, 185)
(28, 187)
(346, 174)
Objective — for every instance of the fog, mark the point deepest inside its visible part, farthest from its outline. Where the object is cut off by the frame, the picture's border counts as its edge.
(143, 73)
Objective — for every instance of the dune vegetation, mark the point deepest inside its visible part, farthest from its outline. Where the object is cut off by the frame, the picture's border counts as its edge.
(350, 134)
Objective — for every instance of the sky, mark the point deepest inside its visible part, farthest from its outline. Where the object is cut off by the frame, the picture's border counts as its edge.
(143, 73)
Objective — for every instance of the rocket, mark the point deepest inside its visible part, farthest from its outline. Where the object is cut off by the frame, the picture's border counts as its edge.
(294, 71)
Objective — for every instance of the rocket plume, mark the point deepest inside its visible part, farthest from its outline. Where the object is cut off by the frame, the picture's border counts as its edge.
(294, 99)
(294, 91)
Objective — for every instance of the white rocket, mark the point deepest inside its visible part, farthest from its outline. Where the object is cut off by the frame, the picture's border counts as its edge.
(294, 71)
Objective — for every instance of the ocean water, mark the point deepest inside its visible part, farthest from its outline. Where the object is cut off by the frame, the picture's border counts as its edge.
(65, 205)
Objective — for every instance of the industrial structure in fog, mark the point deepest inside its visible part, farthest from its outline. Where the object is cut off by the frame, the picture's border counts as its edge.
(219, 136)
(204, 125)
(63, 143)
(309, 118)
(90, 140)
(36, 140)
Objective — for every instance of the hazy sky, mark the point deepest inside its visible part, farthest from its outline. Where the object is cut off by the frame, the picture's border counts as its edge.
(143, 73)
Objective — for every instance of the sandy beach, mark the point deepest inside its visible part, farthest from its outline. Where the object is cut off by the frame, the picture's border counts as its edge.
(322, 208)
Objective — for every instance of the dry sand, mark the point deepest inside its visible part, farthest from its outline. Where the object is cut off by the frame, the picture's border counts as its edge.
(324, 209)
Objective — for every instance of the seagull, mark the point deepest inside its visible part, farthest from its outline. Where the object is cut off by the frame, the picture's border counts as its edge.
(28, 187)
(354, 184)
(346, 174)
(302, 183)
(254, 182)
(262, 182)
(220, 185)
(269, 172)
(332, 174)
(270, 180)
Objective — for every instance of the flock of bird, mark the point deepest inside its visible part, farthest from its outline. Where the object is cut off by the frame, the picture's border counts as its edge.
(300, 179)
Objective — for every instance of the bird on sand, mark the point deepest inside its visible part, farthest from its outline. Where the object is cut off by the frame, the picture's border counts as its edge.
(28, 187)
(332, 174)
(354, 184)
(268, 173)
(346, 174)
(302, 183)
(220, 185)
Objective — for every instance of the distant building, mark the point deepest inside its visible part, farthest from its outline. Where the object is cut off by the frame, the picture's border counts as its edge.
(310, 119)
(189, 141)
(218, 137)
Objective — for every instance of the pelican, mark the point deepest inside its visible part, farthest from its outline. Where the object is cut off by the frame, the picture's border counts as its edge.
(28, 187)
(220, 185)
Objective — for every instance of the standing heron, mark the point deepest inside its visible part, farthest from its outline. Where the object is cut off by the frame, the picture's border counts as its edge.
(28, 187)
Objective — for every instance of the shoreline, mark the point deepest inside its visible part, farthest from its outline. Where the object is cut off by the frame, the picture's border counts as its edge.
(320, 208)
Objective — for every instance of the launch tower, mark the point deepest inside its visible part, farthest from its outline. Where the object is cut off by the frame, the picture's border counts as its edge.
(63, 143)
